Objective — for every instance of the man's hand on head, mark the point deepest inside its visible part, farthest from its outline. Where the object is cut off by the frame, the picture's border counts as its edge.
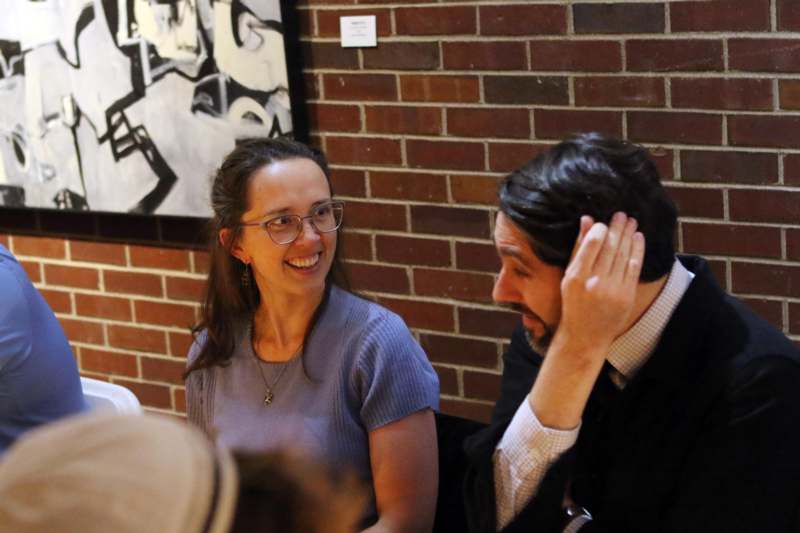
(598, 293)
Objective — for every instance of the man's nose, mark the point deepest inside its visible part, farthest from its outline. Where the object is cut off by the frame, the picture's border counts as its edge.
(504, 289)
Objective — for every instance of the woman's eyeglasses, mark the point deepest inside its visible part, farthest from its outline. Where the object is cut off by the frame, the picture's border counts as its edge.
(284, 229)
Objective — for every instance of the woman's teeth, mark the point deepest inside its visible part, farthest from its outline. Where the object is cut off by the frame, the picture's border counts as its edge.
(304, 262)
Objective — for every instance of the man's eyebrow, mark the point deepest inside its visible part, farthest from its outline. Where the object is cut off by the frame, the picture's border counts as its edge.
(516, 253)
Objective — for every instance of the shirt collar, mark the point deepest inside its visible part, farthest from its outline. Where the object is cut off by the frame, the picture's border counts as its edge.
(631, 350)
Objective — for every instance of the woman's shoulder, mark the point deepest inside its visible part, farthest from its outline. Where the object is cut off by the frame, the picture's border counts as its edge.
(364, 313)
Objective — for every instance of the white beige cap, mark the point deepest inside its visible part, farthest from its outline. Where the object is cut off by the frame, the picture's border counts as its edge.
(121, 473)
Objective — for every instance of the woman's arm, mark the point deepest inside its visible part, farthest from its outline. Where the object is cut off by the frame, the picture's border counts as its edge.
(405, 471)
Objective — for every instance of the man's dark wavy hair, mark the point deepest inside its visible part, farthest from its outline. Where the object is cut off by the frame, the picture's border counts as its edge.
(590, 174)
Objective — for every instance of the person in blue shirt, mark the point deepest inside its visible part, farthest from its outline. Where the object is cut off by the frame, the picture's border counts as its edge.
(39, 380)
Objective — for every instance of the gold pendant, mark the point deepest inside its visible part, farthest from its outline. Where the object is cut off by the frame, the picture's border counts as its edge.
(268, 398)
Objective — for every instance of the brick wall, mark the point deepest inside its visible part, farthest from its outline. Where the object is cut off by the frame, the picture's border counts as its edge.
(420, 129)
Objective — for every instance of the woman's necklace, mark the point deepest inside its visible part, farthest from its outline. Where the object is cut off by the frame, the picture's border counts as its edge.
(270, 395)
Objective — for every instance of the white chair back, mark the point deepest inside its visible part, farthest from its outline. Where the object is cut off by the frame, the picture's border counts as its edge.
(101, 395)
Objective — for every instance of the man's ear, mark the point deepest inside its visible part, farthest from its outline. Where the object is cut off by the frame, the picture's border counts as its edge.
(225, 235)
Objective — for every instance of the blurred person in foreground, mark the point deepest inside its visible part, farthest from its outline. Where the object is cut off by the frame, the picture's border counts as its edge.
(39, 380)
(101, 473)
(636, 394)
(286, 356)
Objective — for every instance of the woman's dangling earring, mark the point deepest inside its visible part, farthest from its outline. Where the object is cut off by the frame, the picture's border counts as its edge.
(246, 276)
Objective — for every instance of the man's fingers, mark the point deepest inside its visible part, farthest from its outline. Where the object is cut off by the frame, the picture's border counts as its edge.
(634, 263)
(586, 224)
(608, 253)
(625, 249)
(582, 265)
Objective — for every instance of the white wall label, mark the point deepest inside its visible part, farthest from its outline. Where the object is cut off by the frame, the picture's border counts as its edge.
(358, 31)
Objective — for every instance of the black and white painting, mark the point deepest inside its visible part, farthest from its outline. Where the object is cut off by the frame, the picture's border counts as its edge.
(130, 105)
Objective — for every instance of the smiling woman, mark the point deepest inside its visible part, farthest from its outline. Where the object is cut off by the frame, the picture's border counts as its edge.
(286, 357)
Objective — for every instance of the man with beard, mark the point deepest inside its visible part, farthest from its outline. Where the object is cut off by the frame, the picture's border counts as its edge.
(636, 395)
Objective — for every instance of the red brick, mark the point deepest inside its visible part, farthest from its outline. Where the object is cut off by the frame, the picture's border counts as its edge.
(729, 167)
(769, 131)
(731, 240)
(412, 250)
(719, 270)
(371, 215)
(448, 380)
(149, 395)
(488, 122)
(669, 55)
(770, 310)
(788, 15)
(717, 93)
(771, 280)
(689, 128)
(523, 20)
(459, 351)
(793, 244)
(753, 205)
(618, 17)
(179, 343)
(201, 262)
(474, 189)
(132, 283)
(40, 247)
(457, 155)
(440, 88)
(98, 252)
(453, 284)
(334, 117)
(404, 119)
(450, 221)
(535, 90)
(328, 20)
(559, 123)
(305, 20)
(378, 278)
(363, 151)
(581, 56)
(348, 182)
(103, 307)
(701, 203)
(408, 186)
(312, 85)
(185, 289)
(487, 323)
(317, 55)
(704, 16)
(450, 20)
(360, 87)
(663, 160)
(794, 318)
(764, 55)
(355, 246)
(789, 91)
(58, 301)
(403, 56)
(5, 241)
(479, 411)
(84, 278)
(481, 385)
(505, 157)
(477, 256)
(619, 91)
(163, 370)
(481, 55)
(82, 331)
(138, 339)
(162, 258)
(164, 314)
(179, 397)
(106, 362)
(33, 270)
(423, 315)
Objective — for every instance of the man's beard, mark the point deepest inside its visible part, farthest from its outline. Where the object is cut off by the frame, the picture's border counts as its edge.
(541, 343)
